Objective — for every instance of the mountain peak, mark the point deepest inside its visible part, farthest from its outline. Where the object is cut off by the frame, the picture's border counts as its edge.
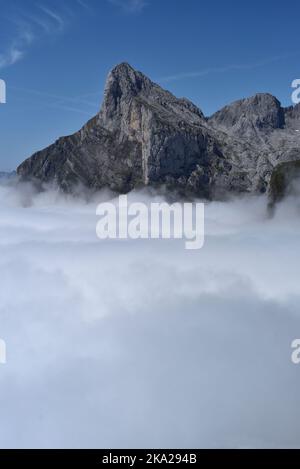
(266, 100)
(124, 79)
(122, 68)
(125, 84)
(122, 85)
(261, 112)
(263, 97)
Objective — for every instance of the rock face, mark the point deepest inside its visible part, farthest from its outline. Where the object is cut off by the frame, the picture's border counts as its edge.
(143, 135)
(250, 118)
(285, 181)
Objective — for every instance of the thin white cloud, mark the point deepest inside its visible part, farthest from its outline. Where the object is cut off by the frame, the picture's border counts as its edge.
(55, 16)
(76, 99)
(63, 107)
(223, 69)
(16, 50)
(78, 104)
(10, 57)
(37, 20)
(130, 6)
(28, 26)
(84, 4)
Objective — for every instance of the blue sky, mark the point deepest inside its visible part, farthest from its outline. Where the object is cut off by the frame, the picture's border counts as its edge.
(55, 55)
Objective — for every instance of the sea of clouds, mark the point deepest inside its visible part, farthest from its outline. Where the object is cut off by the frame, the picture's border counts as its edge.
(142, 343)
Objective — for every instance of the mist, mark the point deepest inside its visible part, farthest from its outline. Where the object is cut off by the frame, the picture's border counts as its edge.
(132, 344)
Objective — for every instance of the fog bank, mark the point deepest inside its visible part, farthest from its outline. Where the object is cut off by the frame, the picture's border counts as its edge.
(142, 343)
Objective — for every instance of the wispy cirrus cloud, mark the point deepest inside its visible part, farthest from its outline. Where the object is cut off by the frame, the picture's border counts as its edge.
(54, 16)
(26, 26)
(223, 69)
(87, 104)
(16, 49)
(130, 6)
(84, 4)
(10, 57)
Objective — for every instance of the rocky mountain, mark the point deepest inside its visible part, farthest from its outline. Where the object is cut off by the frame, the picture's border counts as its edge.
(143, 135)
(251, 118)
(285, 181)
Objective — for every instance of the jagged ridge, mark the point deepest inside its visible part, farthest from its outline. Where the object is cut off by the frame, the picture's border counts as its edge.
(144, 135)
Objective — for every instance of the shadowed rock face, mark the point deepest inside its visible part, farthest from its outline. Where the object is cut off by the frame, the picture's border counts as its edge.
(143, 135)
(285, 181)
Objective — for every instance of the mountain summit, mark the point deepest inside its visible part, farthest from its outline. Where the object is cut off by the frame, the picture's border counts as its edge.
(144, 135)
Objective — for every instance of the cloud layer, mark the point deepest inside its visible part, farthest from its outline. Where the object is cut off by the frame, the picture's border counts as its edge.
(141, 343)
